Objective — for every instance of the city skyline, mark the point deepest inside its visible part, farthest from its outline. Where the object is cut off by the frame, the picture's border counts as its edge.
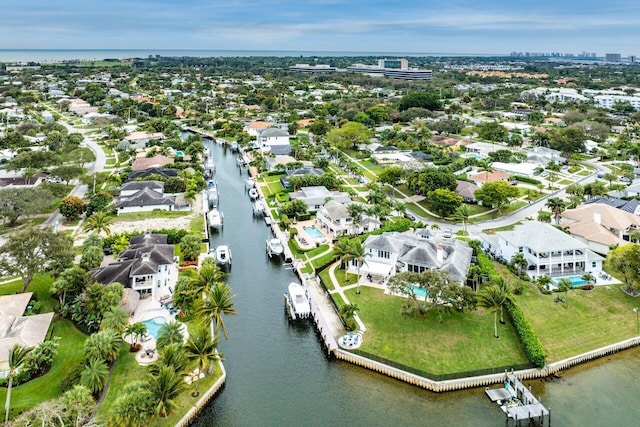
(458, 26)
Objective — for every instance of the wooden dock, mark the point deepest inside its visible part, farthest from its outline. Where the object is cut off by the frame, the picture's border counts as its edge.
(524, 405)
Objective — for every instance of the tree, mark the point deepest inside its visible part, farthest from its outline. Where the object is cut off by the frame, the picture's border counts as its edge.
(428, 101)
(496, 194)
(391, 175)
(169, 333)
(67, 173)
(134, 407)
(544, 282)
(17, 202)
(135, 331)
(98, 202)
(635, 236)
(103, 345)
(190, 245)
(348, 312)
(565, 285)
(294, 208)
(78, 404)
(100, 223)
(462, 215)
(444, 202)
(493, 131)
(544, 216)
(94, 375)
(556, 205)
(431, 179)
(626, 260)
(349, 136)
(115, 320)
(208, 276)
(442, 294)
(174, 356)
(319, 127)
(358, 253)
(71, 207)
(519, 262)
(165, 386)
(217, 303)
(18, 355)
(201, 347)
(92, 257)
(342, 251)
(35, 251)
(493, 298)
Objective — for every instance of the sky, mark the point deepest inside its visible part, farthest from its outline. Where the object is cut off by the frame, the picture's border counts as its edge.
(403, 26)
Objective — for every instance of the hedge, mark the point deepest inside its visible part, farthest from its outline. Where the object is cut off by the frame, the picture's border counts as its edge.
(483, 261)
(174, 235)
(527, 179)
(528, 338)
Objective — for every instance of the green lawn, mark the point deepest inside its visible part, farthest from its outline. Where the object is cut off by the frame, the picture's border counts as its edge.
(584, 173)
(475, 209)
(592, 319)
(462, 342)
(141, 216)
(565, 182)
(326, 279)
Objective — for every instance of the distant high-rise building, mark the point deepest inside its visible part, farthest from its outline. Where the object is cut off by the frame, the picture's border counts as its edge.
(401, 63)
(612, 57)
(632, 59)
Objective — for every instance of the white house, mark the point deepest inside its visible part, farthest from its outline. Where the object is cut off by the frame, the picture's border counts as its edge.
(334, 217)
(147, 266)
(140, 139)
(275, 141)
(548, 251)
(146, 196)
(315, 197)
(255, 128)
(391, 253)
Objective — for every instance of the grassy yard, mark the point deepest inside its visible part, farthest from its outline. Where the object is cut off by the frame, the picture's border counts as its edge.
(140, 216)
(462, 342)
(592, 319)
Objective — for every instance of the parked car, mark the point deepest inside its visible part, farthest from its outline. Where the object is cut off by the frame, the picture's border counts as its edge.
(447, 233)
(410, 216)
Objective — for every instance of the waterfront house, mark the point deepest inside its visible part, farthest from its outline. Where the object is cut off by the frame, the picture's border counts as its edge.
(391, 253)
(145, 196)
(255, 128)
(274, 141)
(284, 180)
(139, 140)
(335, 218)
(548, 251)
(148, 266)
(159, 160)
(315, 197)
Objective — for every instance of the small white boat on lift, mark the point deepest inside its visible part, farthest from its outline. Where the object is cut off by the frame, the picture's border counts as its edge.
(223, 256)
(274, 247)
(250, 183)
(212, 194)
(258, 208)
(215, 218)
(253, 193)
(297, 302)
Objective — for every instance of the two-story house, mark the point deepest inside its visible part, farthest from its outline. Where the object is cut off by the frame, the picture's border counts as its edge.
(315, 197)
(335, 218)
(391, 253)
(548, 251)
(275, 141)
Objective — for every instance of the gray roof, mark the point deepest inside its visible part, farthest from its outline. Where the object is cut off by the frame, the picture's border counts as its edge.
(273, 132)
(148, 238)
(541, 237)
(166, 172)
(139, 185)
(145, 197)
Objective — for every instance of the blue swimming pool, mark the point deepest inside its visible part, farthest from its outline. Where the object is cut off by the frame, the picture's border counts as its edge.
(153, 326)
(419, 292)
(313, 232)
(575, 280)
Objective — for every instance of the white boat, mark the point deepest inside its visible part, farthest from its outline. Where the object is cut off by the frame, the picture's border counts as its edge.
(223, 256)
(212, 194)
(297, 302)
(215, 218)
(209, 167)
(253, 193)
(184, 127)
(250, 183)
(274, 247)
(206, 152)
(234, 146)
(258, 208)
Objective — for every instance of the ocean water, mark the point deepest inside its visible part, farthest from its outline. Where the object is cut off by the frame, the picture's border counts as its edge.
(59, 55)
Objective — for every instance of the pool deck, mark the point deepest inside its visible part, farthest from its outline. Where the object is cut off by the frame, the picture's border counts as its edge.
(305, 241)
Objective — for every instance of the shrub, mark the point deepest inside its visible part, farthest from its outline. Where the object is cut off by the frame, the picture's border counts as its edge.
(527, 179)
(528, 338)
(293, 232)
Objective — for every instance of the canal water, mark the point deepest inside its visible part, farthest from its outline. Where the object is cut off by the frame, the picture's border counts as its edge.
(278, 375)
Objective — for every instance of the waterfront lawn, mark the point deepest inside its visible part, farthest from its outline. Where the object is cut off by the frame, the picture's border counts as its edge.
(592, 319)
(462, 342)
(141, 216)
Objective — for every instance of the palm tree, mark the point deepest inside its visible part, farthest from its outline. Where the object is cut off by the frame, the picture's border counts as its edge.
(115, 319)
(348, 312)
(98, 222)
(218, 301)
(169, 333)
(355, 211)
(556, 205)
(493, 298)
(165, 385)
(341, 249)
(94, 376)
(172, 355)
(544, 216)
(103, 345)
(358, 254)
(135, 331)
(565, 285)
(544, 282)
(202, 348)
(518, 261)
(635, 236)
(208, 277)
(17, 357)
(462, 214)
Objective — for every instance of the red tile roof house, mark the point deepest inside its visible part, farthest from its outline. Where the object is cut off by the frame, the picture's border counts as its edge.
(493, 176)
(139, 139)
(150, 162)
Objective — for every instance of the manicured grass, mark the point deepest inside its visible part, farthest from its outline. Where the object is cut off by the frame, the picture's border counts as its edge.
(462, 342)
(324, 259)
(140, 216)
(592, 319)
(504, 228)
(320, 249)
(48, 386)
(326, 279)
(584, 173)
(350, 280)
(565, 182)
(40, 286)
(475, 209)
(196, 226)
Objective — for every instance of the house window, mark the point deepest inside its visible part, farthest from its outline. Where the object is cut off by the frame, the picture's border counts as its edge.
(520, 249)
(384, 254)
(593, 264)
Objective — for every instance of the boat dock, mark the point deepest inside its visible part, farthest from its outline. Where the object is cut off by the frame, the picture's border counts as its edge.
(517, 401)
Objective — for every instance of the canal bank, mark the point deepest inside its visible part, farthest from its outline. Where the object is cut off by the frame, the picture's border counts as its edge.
(278, 373)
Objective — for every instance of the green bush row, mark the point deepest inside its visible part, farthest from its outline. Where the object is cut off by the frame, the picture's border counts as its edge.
(527, 179)
(174, 235)
(528, 338)
(484, 261)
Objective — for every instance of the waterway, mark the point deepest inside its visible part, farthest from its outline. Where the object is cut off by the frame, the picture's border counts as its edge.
(278, 375)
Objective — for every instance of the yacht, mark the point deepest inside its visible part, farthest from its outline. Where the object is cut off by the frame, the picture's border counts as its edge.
(253, 193)
(212, 194)
(274, 247)
(215, 218)
(258, 208)
(209, 167)
(297, 302)
(250, 183)
(223, 256)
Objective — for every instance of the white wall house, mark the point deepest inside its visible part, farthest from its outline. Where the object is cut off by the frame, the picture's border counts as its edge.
(275, 141)
(334, 217)
(548, 251)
